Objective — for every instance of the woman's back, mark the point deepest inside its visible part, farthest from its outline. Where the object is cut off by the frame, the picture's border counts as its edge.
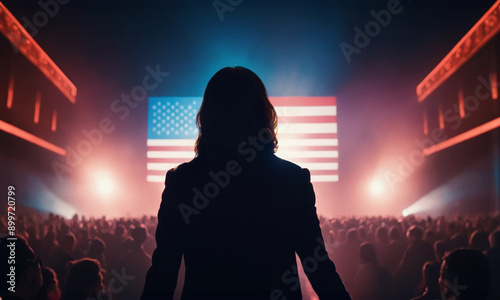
(237, 213)
(243, 237)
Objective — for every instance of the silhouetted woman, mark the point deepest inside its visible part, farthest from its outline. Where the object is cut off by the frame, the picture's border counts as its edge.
(236, 212)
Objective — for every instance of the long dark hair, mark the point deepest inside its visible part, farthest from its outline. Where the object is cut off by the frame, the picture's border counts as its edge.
(235, 106)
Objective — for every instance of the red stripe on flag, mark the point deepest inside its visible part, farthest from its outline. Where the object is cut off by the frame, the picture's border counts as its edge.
(307, 136)
(157, 172)
(310, 148)
(324, 172)
(303, 101)
(171, 148)
(308, 119)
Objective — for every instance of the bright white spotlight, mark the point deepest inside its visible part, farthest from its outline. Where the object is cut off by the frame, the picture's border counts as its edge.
(377, 187)
(104, 183)
(105, 186)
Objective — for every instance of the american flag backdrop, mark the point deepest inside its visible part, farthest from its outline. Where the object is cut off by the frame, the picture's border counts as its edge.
(307, 134)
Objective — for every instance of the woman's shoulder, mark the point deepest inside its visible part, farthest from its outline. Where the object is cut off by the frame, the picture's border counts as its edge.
(290, 169)
(270, 169)
(187, 169)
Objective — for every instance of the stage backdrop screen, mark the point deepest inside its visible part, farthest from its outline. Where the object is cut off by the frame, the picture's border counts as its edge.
(307, 134)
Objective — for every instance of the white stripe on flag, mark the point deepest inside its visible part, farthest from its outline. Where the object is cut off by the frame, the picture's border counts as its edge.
(161, 166)
(170, 154)
(324, 178)
(171, 142)
(307, 142)
(319, 166)
(299, 128)
(156, 178)
(289, 111)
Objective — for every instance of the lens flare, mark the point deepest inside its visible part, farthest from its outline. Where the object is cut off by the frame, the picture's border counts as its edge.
(104, 184)
(377, 187)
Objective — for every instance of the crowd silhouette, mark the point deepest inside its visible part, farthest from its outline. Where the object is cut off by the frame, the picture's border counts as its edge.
(377, 257)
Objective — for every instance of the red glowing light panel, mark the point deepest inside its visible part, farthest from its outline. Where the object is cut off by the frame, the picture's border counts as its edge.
(426, 126)
(441, 118)
(481, 33)
(494, 85)
(53, 126)
(463, 137)
(22, 41)
(38, 101)
(461, 107)
(10, 93)
(31, 138)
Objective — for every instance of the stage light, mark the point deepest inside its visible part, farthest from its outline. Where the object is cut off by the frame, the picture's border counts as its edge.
(104, 184)
(44, 198)
(377, 187)
(472, 183)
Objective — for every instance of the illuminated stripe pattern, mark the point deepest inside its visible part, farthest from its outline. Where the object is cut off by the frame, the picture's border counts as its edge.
(307, 134)
(24, 42)
(463, 137)
(31, 138)
(480, 34)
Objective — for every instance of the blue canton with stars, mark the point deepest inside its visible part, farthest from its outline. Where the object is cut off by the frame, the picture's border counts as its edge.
(173, 117)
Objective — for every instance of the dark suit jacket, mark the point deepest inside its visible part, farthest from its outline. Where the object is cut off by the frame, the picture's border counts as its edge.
(238, 225)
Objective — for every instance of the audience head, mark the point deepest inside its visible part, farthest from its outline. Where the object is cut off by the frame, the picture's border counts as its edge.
(50, 288)
(68, 243)
(458, 241)
(362, 235)
(415, 233)
(479, 240)
(394, 233)
(494, 238)
(341, 236)
(119, 231)
(96, 248)
(465, 275)
(430, 274)
(430, 236)
(50, 237)
(352, 235)
(367, 253)
(28, 274)
(440, 249)
(84, 280)
(64, 230)
(381, 234)
(128, 244)
(139, 234)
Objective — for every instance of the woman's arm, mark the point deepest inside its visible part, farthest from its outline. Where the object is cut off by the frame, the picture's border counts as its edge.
(161, 278)
(311, 249)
